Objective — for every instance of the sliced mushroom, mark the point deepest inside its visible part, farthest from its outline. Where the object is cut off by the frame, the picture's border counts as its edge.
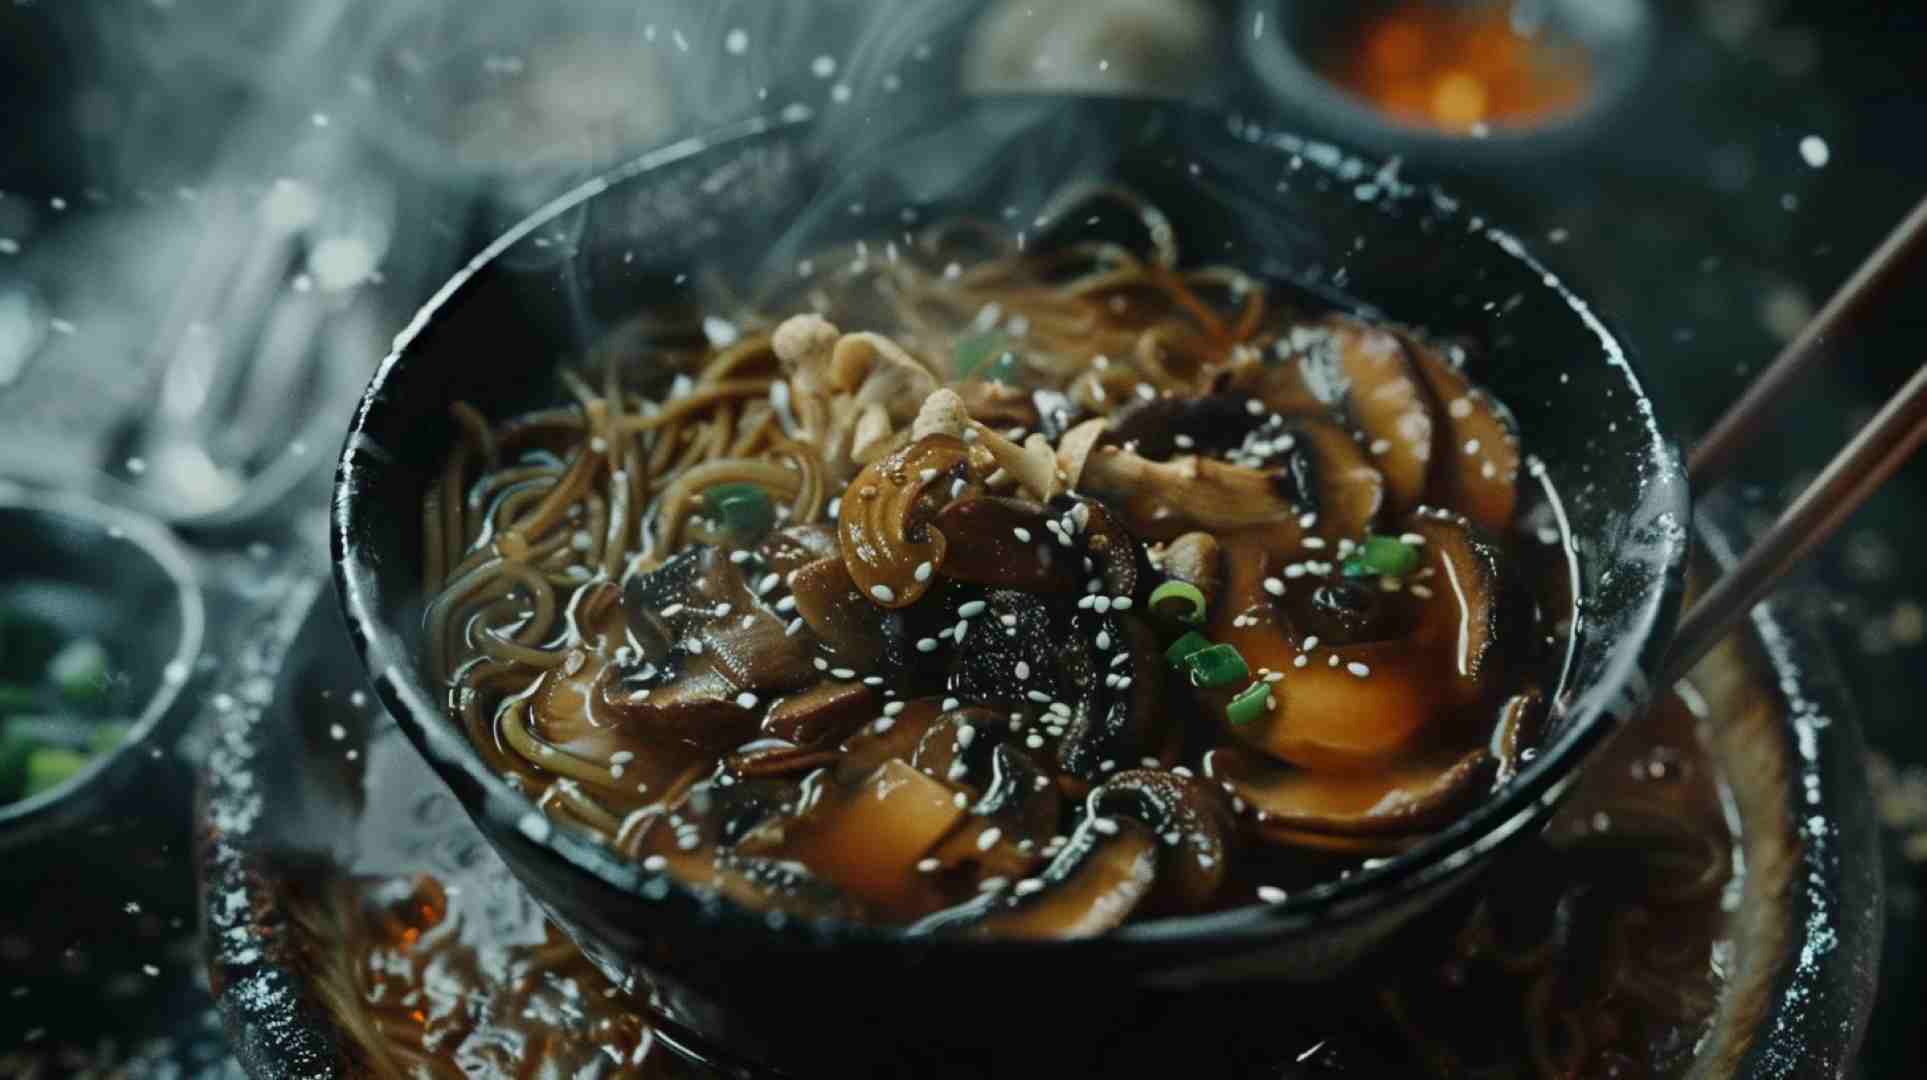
(699, 602)
(1161, 427)
(1074, 449)
(1325, 714)
(1521, 719)
(822, 715)
(838, 616)
(1385, 399)
(888, 737)
(1168, 498)
(1397, 799)
(1477, 469)
(1033, 465)
(1191, 820)
(1113, 720)
(803, 344)
(1333, 479)
(1002, 542)
(877, 371)
(694, 836)
(1276, 381)
(1091, 887)
(942, 413)
(1460, 620)
(883, 528)
(793, 546)
(1116, 558)
(998, 404)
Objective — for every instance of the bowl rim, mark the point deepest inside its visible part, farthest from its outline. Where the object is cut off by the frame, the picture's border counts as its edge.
(1622, 688)
(1281, 68)
(159, 547)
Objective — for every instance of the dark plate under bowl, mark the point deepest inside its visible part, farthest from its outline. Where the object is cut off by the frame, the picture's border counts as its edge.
(769, 192)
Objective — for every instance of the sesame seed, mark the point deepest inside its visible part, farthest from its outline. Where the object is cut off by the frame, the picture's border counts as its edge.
(1028, 886)
(671, 611)
(1411, 538)
(1124, 683)
(1488, 470)
(928, 866)
(992, 884)
(1294, 570)
(1084, 602)
(957, 487)
(1038, 696)
(1314, 543)
(689, 842)
(1358, 669)
(1103, 639)
(739, 557)
(924, 570)
(971, 609)
(1121, 603)
(926, 645)
(1299, 661)
(1104, 825)
(883, 593)
(843, 673)
(1120, 658)
(655, 864)
(1311, 642)
(1273, 676)
(1307, 519)
(873, 680)
(1184, 442)
(1034, 741)
(960, 800)
(1007, 620)
(795, 626)
(966, 735)
(821, 664)
(1471, 446)
(1271, 894)
(1421, 592)
(1274, 586)
(1023, 671)
(1101, 603)
(989, 837)
(1380, 446)
(722, 610)
(1021, 533)
(950, 703)
(786, 604)
(746, 699)
(1254, 406)
(958, 631)
(882, 724)
(1060, 708)
(770, 581)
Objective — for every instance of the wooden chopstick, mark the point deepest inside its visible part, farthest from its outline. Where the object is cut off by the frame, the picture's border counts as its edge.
(1856, 472)
(1892, 265)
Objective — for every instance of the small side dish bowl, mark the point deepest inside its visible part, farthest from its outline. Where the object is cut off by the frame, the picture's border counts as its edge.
(760, 197)
(118, 584)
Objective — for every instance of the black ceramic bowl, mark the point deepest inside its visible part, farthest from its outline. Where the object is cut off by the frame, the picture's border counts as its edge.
(116, 577)
(770, 191)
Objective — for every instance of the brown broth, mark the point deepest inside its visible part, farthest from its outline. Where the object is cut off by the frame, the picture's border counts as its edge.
(1597, 949)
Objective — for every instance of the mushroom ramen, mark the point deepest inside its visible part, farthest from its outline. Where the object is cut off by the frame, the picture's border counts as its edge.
(993, 588)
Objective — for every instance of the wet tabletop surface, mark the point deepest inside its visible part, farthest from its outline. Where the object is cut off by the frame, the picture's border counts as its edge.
(153, 144)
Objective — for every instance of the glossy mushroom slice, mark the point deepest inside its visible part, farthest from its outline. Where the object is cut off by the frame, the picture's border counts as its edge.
(1521, 721)
(1002, 543)
(884, 525)
(1396, 799)
(1190, 819)
(1334, 478)
(1114, 664)
(1164, 499)
(1370, 380)
(1348, 707)
(1165, 426)
(1477, 467)
(1459, 620)
(1013, 808)
(1092, 886)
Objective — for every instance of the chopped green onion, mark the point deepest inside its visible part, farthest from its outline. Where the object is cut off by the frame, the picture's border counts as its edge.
(1178, 600)
(1219, 665)
(1251, 703)
(106, 737)
(50, 766)
(976, 350)
(1191, 642)
(1382, 556)
(743, 509)
(80, 670)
